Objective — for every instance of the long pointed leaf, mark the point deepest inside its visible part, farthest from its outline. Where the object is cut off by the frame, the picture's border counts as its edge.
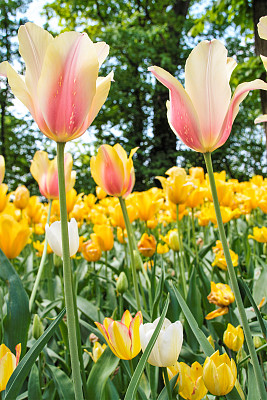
(19, 375)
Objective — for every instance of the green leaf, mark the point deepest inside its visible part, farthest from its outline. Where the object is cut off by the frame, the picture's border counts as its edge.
(158, 296)
(100, 373)
(21, 372)
(62, 383)
(252, 384)
(254, 305)
(90, 310)
(17, 320)
(34, 390)
(132, 388)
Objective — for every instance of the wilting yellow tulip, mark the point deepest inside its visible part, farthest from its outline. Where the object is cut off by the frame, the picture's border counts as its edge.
(8, 363)
(13, 235)
(259, 234)
(221, 295)
(123, 336)
(219, 374)
(191, 384)
(147, 245)
(61, 88)
(233, 337)
(2, 169)
(113, 171)
(45, 173)
(220, 260)
(22, 197)
(105, 236)
(97, 352)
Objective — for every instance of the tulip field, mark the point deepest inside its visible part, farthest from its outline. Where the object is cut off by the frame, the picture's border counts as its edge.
(119, 294)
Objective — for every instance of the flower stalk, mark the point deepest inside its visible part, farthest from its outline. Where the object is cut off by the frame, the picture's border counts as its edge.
(180, 240)
(42, 263)
(67, 277)
(230, 268)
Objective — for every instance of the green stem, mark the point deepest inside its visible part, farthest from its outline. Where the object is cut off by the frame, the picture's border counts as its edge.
(194, 235)
(167, 382)
(67, 277)
(182, 270)
(230, 268)
(42, 263)
(131, 248)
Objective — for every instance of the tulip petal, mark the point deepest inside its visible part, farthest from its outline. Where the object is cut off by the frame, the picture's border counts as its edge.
(181, 113)
(264, 60)
(261, 118)
(134, 334)
(102, 50)
(239, 95)
(68, 83)
(33, 42)
(126, 318)
(207, 84)
(53, 234)
(262, 27)
(120, 339)
(102, 90)
(7, 366)
(17, 85)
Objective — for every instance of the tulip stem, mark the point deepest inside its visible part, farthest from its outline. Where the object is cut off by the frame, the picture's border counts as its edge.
(180, 241)
(67, 277)
(42, 263)
(131, 248)
(167, 382)
(231, 271)
(194, 235)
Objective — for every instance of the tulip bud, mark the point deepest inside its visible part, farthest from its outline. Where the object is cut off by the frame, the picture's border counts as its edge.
(211, 341)
(57, 261)
(137, 261)
(122, 283)
(233, 337)
(53, 233)
(97, 352)
(174, 241)
(258, 341)
(22, 196)
(219, 374)
(37, 327)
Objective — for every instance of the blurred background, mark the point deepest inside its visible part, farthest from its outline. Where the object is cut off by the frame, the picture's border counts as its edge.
(140, 33)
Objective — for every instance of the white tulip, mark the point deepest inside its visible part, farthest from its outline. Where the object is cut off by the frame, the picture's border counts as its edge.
(53, 234)
(168, 345)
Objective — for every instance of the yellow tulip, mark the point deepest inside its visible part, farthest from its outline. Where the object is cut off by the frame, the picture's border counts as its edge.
(104, 236)
(123, 336)
(162, 248)
(22, 196)
(221, 294)
(39, 247)
(220, 260)
(259, 234)
(177, 186)
(91, 250)
(197, 173)
(219, 374)
(171, 239)
(101, 194)
(2, 169)
(34, 210)
(8, 363)
(233, 337)
(3, 196)
(147, 205)
(113, 171)
(191, 384)
(147, 245)
(97, 352)
(121, 235)
(13, 235)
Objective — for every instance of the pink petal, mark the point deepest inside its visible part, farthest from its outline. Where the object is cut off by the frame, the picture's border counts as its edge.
(181, 112)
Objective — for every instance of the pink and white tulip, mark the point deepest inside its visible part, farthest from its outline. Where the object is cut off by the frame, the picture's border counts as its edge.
(262, 29)
(61, 87)
(202, 114)
(45, 172)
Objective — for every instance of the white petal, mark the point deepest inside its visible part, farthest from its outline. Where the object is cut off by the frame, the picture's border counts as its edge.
(53, 234)
(73, 237)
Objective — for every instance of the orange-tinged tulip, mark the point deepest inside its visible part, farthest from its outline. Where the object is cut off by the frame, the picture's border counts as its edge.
(219, 374)
(3, 196)
(22, 197)
(113, 171)
(123, 336)
(191, 384)
(91, 250)
(221, 294)
(61, 88)
(259, 234)
(105, 236)
(13, 235)
(45, 173)
(2, 169)
(8, 363)
(202, 114)
(147, 245)
(233, 337)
